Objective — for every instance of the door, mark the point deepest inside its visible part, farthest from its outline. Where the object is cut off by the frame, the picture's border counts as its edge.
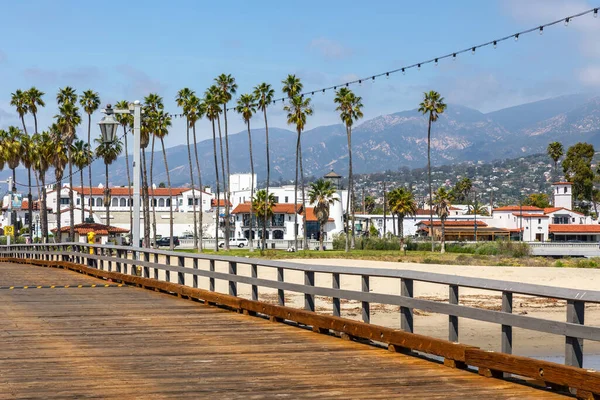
(539, 237)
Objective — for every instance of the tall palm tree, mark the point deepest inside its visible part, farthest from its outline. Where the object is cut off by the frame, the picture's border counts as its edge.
(162, 130)
(263, 206)
(432, 104)
(182, 101)
(247, 107)
(145, 132)
(34, 100)
(292, 86)
(67, 120)
(43, 159)
(196, 109)
(322, 194)
(109, 152)
(555, 150)
(297, 111)
(350, 109)
(401, 203)
(27, 159)
(228, 87)
(90, 102)
(82, 157)
(126, 121)
(213, 109)
(154, 103)
(66, 95)
(11, 147)
(60, 159)
(20, 101)
(441, 206)
(264, 96)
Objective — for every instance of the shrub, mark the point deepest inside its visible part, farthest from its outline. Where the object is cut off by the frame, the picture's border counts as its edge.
(559, 264)
(366, 243)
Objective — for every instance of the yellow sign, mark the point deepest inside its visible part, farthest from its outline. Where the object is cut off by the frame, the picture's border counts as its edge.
(9, 230)
(91, 237)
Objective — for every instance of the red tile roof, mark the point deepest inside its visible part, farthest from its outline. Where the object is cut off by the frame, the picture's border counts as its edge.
(518, 208)
(311, 217)
(99, 229)
(574, 228)
(279, 208)
(123, 191)
(213, 203)
(551, 210)
(453, 223)
(562, 183)
(526, 215)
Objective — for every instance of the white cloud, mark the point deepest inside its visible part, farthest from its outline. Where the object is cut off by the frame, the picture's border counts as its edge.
(140, 83)
(590, 76)
(330, 49)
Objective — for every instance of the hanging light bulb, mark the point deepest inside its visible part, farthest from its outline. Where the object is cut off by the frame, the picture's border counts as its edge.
(454, 57)
(567, 21)
(312, 93)
(335, 87)
(436, 62)
(373, 77)
(595, 13)
(495, 44)
(541, 30)
(387, 75)
(403, 71)
(419, 67)
(517, 37)
(473, 51)
(323, 91)
(359, 82)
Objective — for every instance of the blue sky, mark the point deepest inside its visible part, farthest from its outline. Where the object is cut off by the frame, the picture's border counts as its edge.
(129, 49)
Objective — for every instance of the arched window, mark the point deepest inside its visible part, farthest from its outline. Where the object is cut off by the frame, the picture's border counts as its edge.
(565, 189)
(99, 202)
(168, 202)
(154, 202)
(115, 202)
(161, 202)
(123, 202)
(277, 234)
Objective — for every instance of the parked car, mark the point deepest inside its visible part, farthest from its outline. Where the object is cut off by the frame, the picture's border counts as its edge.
(166, 241)
(235, 242)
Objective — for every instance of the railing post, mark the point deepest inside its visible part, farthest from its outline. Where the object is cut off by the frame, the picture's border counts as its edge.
(99, 252)
(406, 313)
(365, 306)
(155, 256)
(232, 284)
(195, 277)
(280, 292)
(118, 263)
(181, 275)
(254, 270)
(147, 259)
(211, 279)
(309, 299)
(335, 283)
(167, 272)
(507, 306)
(453, 319)
(574, 346)
(108, 252)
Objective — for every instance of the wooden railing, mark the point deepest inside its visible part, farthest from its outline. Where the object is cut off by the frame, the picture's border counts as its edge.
(177, 268)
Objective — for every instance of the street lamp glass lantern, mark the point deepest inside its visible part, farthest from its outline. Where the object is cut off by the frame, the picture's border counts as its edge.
(108, 128)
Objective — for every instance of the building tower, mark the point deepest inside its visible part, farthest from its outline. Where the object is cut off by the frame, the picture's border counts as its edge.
(563, 195)
(336, 210)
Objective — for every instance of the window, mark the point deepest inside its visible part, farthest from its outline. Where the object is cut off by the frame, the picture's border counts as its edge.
(99, 202)
(276, 199)
(78, 201)
(286, 199)
(168, 202)
(539, 221)
(161, 202)
(64, 201)
(154, 202)
(123, 202)
(573, 219)
(565, 189)
(190, 201)
(115, 202)
(556, 190)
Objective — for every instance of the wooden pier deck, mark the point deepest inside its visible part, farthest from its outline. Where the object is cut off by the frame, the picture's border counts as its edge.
(126, 342)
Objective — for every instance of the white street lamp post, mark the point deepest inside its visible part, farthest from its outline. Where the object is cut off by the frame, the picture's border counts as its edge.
(108, 128)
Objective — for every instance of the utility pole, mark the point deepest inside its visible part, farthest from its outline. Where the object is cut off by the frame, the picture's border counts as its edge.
(384, 209)
(363, 201)
(11, 190)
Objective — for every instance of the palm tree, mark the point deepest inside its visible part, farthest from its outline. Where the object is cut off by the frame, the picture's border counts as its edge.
(263, 206)
(441, 206)
(432, 104)
(350, 108)
(264, 96)
(196, 109)
(145, 131)
(90, 102)
(66, 95)
(182, 99)
(11, 147)
(228, 87)
(109, 151)
(297, 111)
(154, 103)
(247, 107)
(82, 157)
(555, 150)
(20, 101)
(213, 109)
(34, 99)
(322, 194)
(126, 121)
(59, 162)
(67, 120)
(401, 203)
(162, 130)
(43, 159)
(27, 158)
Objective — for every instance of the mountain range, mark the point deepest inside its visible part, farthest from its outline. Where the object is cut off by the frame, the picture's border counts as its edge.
(394, 140)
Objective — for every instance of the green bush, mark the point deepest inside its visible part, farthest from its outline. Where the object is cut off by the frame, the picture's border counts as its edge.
(366, 243)
(559, 264)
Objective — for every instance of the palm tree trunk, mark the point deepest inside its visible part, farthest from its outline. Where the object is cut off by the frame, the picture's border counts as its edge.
(429, 181)
(29, 204)
(225, 188)
(384, 211)
(401, 230)
(145, 199)
(81, 195)
(201, 211)
(218, 189)
(264, 245)
(71, 199)
(107, 199)
(23, 122)
(443, 239)
(227, 178)
(305, 236)
(321, 233)
(162, 143)
(348, 199)
(129, 192)
(58, 196)
(296, 195)
(351, 180)
(251, 187)
(89, 165)
(153, 200)
(187, 124)
(394, 223)
(35, 122)
(44, 212)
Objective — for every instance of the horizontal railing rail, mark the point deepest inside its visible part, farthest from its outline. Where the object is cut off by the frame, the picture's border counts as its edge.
(181, 268)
